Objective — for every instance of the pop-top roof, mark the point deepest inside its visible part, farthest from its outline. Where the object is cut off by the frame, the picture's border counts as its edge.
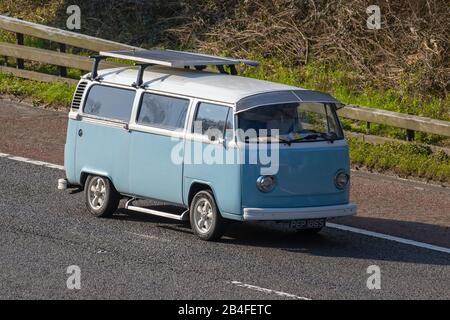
(175, 59)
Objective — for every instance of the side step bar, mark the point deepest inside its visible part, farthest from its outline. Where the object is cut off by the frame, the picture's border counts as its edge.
(183, 217)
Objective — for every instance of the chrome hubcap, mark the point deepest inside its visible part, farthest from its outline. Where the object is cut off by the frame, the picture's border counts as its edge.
(97, 193)
(203, 215)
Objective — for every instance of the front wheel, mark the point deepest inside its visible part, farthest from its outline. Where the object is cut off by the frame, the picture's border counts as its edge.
(102, 199)
(205, 218)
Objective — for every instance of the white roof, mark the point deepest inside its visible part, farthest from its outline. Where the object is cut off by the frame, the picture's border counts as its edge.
(200, 84)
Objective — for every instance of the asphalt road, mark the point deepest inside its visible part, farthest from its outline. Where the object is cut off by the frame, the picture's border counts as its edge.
(43, 231)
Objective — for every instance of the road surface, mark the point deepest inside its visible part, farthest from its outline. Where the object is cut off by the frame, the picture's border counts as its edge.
(44, 231)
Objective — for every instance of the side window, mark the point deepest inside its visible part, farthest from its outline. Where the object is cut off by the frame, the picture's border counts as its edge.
(211, 120)
(110, 102)
(163, 111)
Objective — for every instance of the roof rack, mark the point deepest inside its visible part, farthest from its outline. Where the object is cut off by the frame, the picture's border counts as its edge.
(170, 58)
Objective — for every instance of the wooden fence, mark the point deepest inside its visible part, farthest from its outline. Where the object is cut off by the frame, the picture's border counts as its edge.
(64, 60)
(396, 119)
(59, 58)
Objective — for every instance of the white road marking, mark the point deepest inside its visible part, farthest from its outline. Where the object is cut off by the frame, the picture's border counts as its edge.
(330, 225)
(388, 237)
(270, 291)
(30, 161)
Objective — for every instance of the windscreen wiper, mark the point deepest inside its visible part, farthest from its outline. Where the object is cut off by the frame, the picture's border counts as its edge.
(288, 142)
(326, 136)
(331, 136)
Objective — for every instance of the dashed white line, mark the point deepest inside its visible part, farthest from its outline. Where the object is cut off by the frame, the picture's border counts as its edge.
(388, 237)
(330, 225)
(31, 161)
(269, 291)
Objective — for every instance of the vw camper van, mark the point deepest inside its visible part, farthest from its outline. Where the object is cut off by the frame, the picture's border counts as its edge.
(216, 146)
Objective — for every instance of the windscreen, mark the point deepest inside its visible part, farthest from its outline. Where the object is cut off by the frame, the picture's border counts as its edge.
(290, 122)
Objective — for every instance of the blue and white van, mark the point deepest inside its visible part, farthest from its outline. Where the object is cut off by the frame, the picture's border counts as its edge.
(170, 130)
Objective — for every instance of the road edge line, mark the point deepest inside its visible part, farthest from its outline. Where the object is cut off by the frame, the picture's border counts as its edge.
(388, 237)
(31, 161)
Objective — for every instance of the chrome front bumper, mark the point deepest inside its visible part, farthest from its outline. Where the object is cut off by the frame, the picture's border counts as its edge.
(274, 214)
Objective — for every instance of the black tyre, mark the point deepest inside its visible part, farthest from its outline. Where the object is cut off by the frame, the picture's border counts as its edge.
(205, 218)
(102, 199)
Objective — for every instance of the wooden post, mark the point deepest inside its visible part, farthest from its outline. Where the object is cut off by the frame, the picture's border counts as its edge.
(6, 61)
(410, 135)
(19, 41)
(368, 127)
(62, 70)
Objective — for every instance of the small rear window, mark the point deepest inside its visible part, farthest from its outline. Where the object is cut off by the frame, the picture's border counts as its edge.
(110, 102)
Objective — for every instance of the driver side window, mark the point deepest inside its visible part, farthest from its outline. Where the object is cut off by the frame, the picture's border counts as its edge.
(211, 120)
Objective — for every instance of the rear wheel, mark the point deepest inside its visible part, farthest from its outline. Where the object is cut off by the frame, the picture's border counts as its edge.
(205, 218)
(102, 199)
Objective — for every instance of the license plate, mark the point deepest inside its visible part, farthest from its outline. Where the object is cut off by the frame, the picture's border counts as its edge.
(307, 224)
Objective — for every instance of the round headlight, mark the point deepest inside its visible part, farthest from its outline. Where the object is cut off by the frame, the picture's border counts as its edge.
(265, 183)
(341, 180)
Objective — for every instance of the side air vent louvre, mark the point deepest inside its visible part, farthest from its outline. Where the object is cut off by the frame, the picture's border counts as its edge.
(76, 102)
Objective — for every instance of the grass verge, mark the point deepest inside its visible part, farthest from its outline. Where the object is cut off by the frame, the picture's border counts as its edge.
(57, 95)
(405, 160)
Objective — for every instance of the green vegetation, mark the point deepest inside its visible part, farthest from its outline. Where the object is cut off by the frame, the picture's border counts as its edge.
(52, 94)
(344, 84)
(403, 159)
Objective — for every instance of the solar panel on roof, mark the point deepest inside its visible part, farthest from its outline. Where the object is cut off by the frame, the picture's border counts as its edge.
(175, 59)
